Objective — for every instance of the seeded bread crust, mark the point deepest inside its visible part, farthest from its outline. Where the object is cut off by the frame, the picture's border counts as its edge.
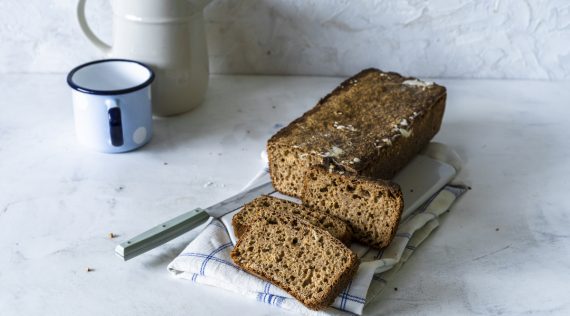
(286, 227)
(371, 207)
(373, 124)
(259, 209)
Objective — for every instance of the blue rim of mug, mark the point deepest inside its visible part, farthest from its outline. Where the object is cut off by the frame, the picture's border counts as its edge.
(108, 92)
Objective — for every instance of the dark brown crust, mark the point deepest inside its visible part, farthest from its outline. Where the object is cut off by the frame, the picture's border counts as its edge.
(385, 162)
(400, 197)
(338, 286)
(344, 86)
(286, 130)
(401, 152)
(239, 228)
(340, 88)
(394, 189)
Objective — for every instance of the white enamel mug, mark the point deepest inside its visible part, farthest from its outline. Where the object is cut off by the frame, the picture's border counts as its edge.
(112, 104)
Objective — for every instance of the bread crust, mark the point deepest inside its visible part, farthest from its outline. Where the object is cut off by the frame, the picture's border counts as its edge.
(237, 221)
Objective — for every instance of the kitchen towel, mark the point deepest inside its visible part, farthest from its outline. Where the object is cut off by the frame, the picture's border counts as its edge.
(206, 260)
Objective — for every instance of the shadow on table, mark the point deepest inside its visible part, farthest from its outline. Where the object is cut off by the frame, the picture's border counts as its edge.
(235, 109)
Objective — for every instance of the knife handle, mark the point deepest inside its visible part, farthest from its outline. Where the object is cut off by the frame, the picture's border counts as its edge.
(161, 234)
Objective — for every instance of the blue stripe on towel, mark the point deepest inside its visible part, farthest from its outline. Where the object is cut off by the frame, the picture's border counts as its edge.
(267, 286)
(354, 298)
(201, 255)
(270, 299)
(345, 297)
(211, 255)
(279, 300)
(379, 254)
(265, 296)
(424, 206)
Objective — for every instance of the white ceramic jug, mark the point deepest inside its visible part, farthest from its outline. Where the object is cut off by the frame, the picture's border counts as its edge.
(169, 36)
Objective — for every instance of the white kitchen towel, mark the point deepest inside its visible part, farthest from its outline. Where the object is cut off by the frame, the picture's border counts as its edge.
(206, 260)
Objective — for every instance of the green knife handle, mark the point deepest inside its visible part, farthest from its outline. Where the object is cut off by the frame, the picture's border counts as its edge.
(161, 234)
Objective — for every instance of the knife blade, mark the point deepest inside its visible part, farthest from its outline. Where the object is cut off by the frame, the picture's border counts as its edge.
(181, 224)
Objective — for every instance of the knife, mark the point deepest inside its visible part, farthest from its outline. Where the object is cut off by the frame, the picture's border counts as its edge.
(179, 225)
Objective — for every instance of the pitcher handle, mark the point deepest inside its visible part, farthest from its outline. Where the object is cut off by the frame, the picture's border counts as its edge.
(102, 46)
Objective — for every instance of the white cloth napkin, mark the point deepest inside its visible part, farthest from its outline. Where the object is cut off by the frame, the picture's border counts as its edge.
(206, 260)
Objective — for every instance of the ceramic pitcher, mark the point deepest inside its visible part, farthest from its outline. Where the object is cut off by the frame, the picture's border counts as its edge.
(169, 36)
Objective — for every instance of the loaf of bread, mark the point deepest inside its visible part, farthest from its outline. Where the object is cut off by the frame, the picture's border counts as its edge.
(304, 260)
(371, 207)
(373, 124)
(260, 209)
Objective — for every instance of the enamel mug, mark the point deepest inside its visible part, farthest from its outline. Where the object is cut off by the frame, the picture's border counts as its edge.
(167, 35)
(112, 104)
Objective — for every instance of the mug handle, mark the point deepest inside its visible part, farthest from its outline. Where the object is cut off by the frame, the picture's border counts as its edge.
(115, 123)
(102, 46)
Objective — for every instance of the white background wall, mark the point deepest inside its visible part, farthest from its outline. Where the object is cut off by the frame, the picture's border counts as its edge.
(528, 39)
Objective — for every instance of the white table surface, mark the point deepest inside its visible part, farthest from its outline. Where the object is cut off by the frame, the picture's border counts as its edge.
(503, 250)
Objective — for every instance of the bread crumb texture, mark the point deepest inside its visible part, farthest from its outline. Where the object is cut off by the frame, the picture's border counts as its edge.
(304, 260)
(262, 208)
(372, 208)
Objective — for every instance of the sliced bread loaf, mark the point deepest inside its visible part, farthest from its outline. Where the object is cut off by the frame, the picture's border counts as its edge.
(304, 260)
(373, 124)
(372, 208)
(261, 209)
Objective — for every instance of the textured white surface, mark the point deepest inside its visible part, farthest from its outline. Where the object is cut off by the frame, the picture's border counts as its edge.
(457, 38)
(59, 202)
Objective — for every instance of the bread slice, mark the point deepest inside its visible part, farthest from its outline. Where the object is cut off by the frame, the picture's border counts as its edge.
(261, 207)
(304, 260)
(372, 208)
(373, 124)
